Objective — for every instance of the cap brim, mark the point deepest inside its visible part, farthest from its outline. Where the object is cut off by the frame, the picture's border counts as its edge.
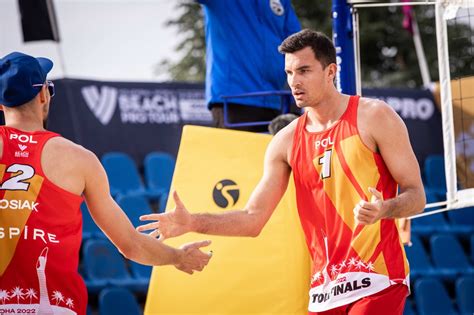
(45, 64)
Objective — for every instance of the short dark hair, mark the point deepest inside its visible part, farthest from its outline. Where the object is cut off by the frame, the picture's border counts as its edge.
(322, 46)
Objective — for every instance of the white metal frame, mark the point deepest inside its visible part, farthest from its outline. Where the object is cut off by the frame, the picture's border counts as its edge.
(454, 198)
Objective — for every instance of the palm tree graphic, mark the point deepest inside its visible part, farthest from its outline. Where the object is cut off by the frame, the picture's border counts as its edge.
(31, 293)
(58, 296)
(70, 303)
(370, 266)
(18, 293)
(360, 265)
(353, 262)
(4, 296)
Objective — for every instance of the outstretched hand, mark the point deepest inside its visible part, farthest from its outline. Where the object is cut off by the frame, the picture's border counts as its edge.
(169, 224)
(370, 212)
(192, 258)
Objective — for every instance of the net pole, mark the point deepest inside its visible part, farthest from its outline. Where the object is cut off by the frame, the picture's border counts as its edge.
(344, 44)
(446, 105)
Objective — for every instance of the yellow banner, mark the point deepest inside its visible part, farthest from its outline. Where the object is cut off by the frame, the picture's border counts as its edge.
(216, 171)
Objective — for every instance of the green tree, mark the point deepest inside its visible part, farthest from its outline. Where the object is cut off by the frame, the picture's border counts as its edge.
(191, 67)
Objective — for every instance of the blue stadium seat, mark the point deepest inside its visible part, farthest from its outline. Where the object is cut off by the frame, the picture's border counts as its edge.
(113, 301)
(104, 266)
(420, 264)
(89, 228)
(462, 220)
(134, 207)
(432, 299)
(449, 257)
(123, 175)
(159, 169)
(465, 294)
(435, 175)
(429, 224)
(408, 310)
(141, 274)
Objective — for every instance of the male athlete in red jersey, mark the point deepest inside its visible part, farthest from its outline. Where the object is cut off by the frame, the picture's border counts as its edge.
(348, 155)
(43, 178)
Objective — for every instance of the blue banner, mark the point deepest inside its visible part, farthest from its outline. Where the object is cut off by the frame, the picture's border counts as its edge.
(135, 118)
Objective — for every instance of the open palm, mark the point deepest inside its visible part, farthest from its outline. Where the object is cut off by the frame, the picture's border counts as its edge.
(170, 224)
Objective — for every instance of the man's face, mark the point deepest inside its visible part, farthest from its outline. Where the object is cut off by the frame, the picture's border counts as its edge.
(306, 77)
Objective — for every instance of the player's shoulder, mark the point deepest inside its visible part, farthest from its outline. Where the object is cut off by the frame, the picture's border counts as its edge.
(66, 149)
(375, 109)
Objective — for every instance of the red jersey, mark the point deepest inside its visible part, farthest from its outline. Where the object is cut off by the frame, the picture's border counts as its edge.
(40, 233)
(332, 171)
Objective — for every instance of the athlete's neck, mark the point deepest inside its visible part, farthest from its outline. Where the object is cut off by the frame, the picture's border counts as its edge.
(326, 113)
(24, 122)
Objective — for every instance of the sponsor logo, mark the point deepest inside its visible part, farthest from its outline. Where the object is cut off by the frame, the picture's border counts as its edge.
(22, 138)
(226, 193)
(27, 233)
(193, 107)
(18, 205)
(410, 108)
(324, 143)
(145, 106)
(341, 288)
(22, 154)
(103, 103)
(277, 7)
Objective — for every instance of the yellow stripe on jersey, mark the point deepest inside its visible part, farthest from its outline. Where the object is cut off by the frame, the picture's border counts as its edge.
(380, 265)
(16, 218)
(367, 240)
(339, 189)
(361, 163)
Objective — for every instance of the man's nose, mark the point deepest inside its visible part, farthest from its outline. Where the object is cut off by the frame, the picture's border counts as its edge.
(294, 81)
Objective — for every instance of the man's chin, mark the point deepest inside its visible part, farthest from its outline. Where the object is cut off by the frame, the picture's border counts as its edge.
(301, 104)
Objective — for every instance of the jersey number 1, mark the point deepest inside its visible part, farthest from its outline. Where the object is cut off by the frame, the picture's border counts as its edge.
(325, 161)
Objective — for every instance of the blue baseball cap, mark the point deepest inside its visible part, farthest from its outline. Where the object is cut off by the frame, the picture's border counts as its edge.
(18, 73)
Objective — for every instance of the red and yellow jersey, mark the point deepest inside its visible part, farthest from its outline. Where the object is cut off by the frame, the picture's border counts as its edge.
(332, 172)
(40, 233)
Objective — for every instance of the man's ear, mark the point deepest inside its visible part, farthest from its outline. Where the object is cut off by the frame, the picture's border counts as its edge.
(43, 94)
(332, 71)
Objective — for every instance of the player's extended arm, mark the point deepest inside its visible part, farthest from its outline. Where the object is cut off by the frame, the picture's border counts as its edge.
(247, 222)
(391, 137)
(118, 228)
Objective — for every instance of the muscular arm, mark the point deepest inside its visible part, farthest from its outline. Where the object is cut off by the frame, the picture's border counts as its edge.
(116, 225)
(247, 222)
(392, 141)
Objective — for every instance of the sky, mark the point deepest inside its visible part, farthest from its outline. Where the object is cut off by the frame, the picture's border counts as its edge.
(108, 40)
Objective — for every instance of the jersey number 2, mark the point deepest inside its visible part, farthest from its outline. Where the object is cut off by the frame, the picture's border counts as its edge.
(17, 182)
